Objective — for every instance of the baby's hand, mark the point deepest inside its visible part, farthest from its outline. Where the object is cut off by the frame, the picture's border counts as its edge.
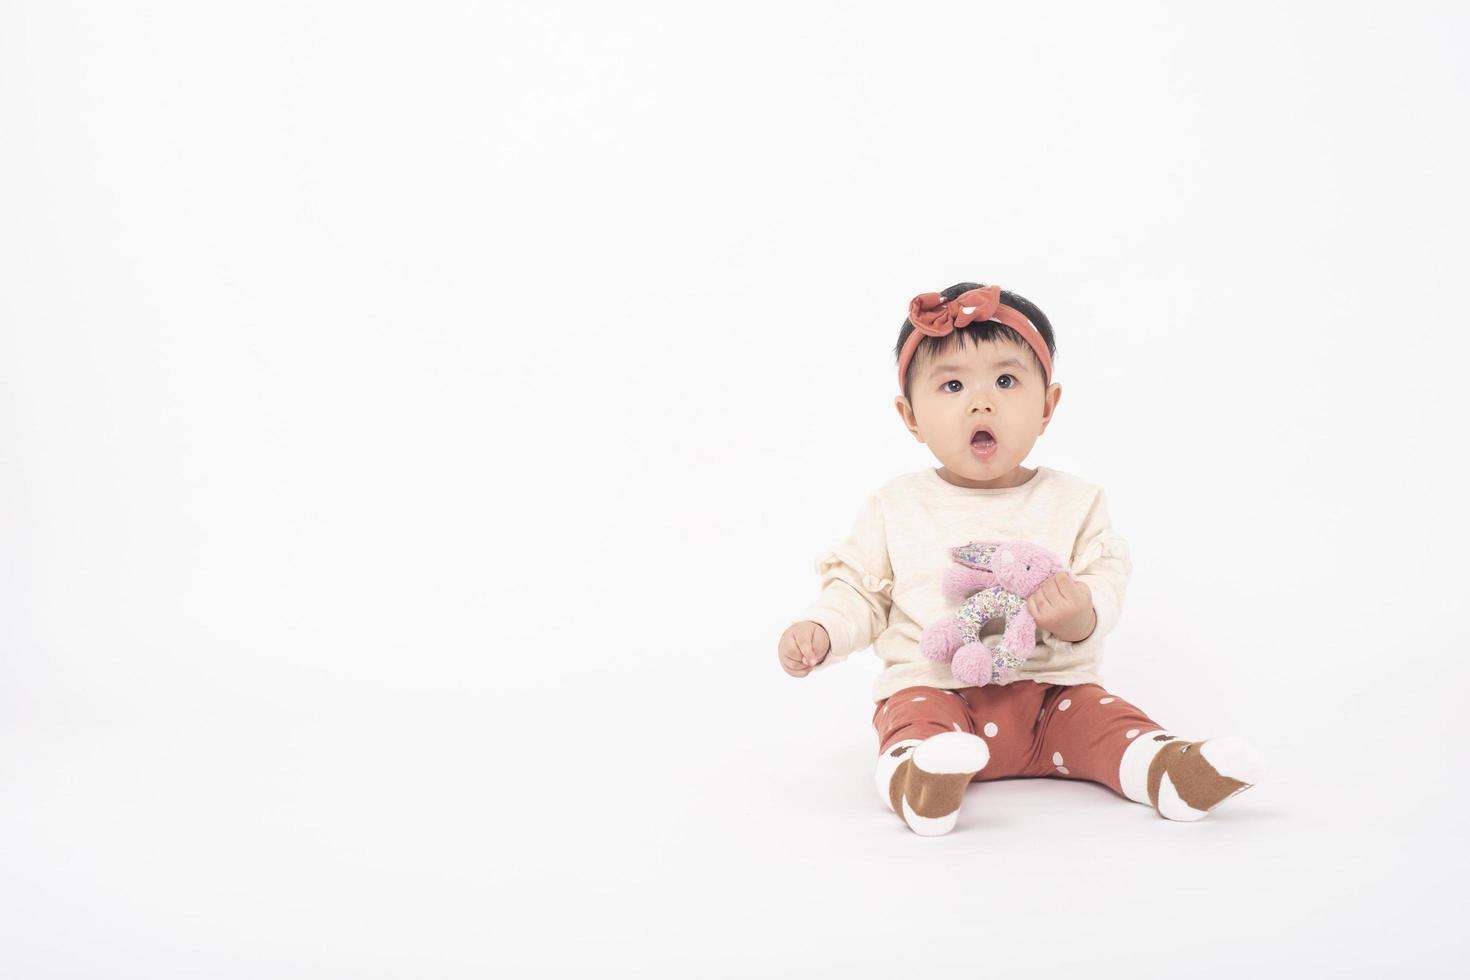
(802, 647)
(1062, 605)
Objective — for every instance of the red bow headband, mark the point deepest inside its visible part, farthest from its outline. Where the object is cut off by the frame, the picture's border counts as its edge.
(933, 317)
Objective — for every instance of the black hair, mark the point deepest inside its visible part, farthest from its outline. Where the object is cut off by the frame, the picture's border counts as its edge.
(976, 333)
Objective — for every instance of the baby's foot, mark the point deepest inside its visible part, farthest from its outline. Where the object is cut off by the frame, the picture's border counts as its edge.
(926, 779)
(1186, 780)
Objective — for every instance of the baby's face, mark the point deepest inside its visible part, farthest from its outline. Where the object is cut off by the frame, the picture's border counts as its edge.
(993, 386)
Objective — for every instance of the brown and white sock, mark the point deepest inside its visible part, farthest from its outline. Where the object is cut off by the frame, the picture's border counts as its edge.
(1185, 780)
(924, 781)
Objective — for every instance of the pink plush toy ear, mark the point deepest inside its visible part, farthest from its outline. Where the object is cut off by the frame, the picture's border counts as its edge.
(979, 555)
(975, 572)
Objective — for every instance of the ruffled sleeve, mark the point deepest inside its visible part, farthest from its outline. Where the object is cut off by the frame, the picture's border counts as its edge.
(1102, 561)
(856, 587)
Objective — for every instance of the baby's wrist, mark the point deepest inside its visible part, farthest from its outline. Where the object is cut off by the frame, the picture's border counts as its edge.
(1082, 630)
(1091, 624)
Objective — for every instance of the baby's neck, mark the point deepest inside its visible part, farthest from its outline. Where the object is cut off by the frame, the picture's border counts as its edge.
(1014, 478)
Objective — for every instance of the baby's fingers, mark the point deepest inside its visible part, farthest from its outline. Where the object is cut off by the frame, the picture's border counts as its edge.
(812, 643)
(792, 659)
(804, 647)
(793, 665)
(819, 645)
(790, 649)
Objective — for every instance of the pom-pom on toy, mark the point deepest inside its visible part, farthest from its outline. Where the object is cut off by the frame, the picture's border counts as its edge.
(990, 579)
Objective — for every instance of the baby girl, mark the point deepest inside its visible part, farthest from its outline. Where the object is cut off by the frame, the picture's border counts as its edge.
(975, 375)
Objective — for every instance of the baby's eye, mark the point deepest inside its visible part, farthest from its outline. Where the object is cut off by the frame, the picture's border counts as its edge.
(1003, 377)
(946, 385)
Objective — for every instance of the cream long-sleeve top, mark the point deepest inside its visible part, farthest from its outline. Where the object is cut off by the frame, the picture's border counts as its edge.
(881, 586)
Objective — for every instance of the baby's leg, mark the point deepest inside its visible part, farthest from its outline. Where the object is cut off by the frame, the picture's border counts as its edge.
(928, 753)
(1088, 733)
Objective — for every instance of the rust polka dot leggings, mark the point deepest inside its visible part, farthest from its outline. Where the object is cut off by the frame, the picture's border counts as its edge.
(933, 742)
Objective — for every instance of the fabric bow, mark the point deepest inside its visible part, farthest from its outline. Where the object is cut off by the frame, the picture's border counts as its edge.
(931, 315)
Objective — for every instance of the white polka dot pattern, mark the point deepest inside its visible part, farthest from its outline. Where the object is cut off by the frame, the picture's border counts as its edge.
(1107, 700)
(1131, 733)
(991, 729)
(1065, 705)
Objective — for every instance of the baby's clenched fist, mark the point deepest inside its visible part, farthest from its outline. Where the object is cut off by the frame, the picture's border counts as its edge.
(1062, 605)
(802, 647)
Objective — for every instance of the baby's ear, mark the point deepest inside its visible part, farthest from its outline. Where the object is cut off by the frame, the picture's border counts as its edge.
(906, 416)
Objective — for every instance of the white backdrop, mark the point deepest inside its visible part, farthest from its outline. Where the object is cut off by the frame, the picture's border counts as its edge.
(419, 421)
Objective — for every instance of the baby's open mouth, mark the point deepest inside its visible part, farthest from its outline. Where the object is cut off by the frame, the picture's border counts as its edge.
(983, 444)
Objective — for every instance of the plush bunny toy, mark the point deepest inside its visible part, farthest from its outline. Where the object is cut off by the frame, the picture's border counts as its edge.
(993, 578)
